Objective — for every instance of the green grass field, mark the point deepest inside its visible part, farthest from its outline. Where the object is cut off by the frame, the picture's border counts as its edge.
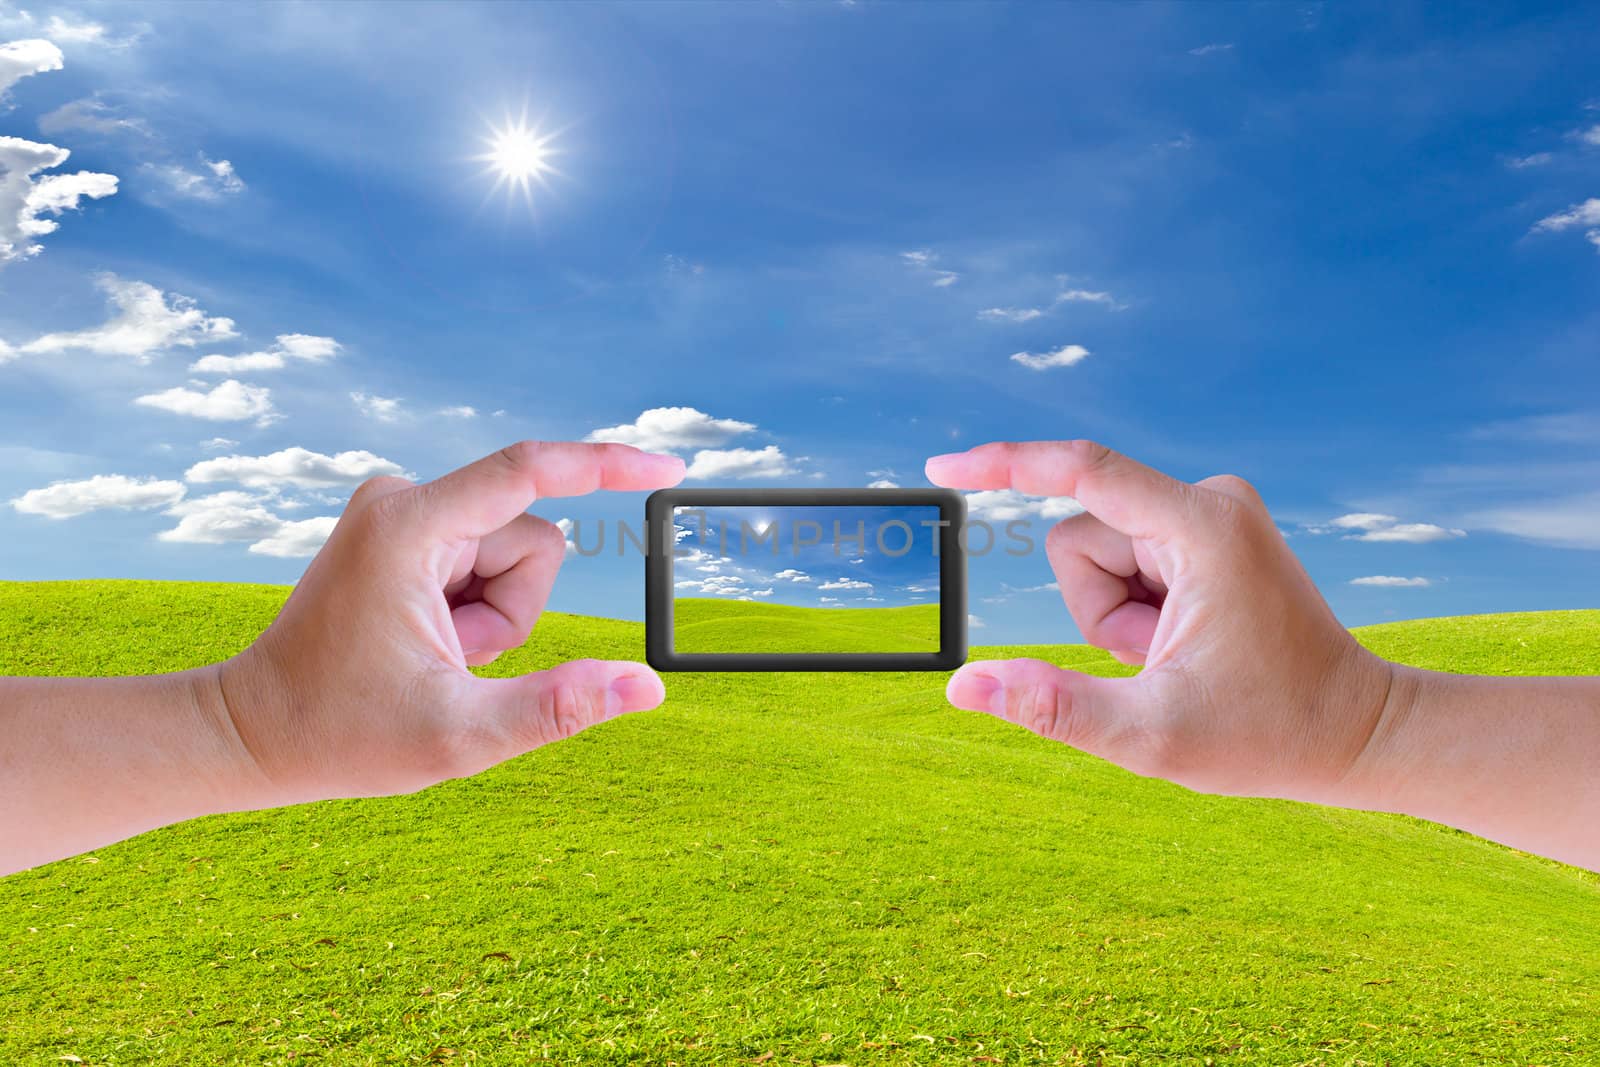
(709, 624)
(787, 869)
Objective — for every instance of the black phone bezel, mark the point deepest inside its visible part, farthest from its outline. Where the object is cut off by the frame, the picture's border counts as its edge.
(661, 550)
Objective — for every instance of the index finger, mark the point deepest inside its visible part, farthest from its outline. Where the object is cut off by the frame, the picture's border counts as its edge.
(485, 495)
(1123, 493)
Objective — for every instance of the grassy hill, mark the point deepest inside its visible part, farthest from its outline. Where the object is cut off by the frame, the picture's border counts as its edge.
(787, 869)
(710, 624)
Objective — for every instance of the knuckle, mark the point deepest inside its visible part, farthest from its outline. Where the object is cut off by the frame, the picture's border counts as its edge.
(566, 708)
(1233, 487)
(376, 488)
(1089, 455)
(384, 510)
(1044, 709)
(520, 456)
(573, 700)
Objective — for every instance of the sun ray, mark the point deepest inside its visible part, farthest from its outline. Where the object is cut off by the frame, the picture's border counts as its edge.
(519, 155)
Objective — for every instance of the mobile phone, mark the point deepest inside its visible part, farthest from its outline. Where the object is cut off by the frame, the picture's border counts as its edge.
(805, 580)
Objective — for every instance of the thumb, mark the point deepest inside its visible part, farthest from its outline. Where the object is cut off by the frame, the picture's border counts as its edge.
(1080, 710)
(536, 709)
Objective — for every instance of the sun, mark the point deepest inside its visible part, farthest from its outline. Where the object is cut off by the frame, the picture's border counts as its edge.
(519, 155)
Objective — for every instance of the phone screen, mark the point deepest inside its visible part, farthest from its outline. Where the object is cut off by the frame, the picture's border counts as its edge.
(806, 579)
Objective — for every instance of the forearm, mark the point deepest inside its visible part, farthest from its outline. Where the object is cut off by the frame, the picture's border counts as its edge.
(88, 761)
(1516, 760)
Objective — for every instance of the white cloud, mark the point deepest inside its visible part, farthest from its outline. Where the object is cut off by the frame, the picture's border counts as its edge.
(1537, 159)
(146, 321)
(18, 59)
(1374, 526)
(1090, 296)
(716, 585)
(1591, 136)
(214, 179)
(923, 260)
(1586, 214)
(768, 462)
(25, 199)
(63, 500)
(1003, 505)
(90, 115)
(1415, 533)
(67, 31)
(792, 575)
(827, 600)
(1363, 520)
(231, 401)
(1010, 314)
(1566, 521)
(883, 483)
(846, 583)
(761, 592)
(1391, 582)
(565, 526)
(233, 516)
(382, 408)
(1052, 587)
(297, 467)
(974, 622)
(218, 444)
(295, 539)
(1065, 356)
(672, 429)
(460, 411)
(1210, 49)
(220, 518)
(288, 346)
(1066, 296)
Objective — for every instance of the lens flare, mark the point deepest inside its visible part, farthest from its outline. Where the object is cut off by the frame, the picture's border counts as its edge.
(519, 156)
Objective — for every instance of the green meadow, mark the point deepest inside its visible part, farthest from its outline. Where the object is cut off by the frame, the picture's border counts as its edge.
(710, 624)
(787, 869)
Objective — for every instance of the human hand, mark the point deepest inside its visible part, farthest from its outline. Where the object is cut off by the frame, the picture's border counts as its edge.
(361, 688)
(1250, 685)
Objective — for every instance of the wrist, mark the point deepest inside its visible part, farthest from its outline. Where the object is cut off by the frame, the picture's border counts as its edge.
(1375, 776)
(232, 696)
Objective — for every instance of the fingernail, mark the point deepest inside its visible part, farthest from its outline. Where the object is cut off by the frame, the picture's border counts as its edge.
(668, 464)
(936, 465)
(631, 693)
(979, 692)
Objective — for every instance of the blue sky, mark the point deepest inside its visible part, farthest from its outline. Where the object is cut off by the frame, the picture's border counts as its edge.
(815, 557)
(1349, 252)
